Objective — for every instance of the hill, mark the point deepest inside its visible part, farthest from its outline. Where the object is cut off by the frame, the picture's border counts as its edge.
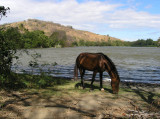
(50, 27)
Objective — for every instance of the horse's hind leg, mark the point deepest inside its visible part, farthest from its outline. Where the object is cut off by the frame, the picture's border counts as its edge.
(82, 71)
(93, 79)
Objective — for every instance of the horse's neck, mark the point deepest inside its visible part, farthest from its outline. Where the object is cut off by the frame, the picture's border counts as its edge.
(113, 74)
(111, 69)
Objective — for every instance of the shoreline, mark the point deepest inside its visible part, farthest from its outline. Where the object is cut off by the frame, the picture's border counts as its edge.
(123, 83)
(139, 84)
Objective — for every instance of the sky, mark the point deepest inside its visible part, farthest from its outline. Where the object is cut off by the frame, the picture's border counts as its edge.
(128, 20)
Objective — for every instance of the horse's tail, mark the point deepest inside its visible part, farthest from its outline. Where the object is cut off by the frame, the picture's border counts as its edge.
(75, 71)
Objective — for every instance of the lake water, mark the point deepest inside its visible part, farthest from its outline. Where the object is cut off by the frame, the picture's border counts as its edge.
(134, 64)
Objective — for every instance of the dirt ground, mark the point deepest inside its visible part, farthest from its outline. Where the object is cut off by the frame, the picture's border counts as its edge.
(72, 102)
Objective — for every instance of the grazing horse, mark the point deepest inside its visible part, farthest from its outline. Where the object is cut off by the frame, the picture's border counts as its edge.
(97, 62)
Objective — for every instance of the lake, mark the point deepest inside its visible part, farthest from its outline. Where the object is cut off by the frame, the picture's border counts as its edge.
(134, 64)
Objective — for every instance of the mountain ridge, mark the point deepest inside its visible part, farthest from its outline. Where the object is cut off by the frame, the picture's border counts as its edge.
(50, 27)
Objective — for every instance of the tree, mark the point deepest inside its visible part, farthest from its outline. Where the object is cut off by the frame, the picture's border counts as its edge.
(58, 38)
(35, 39)
(3, 11)
(158, 42)
(149, 42)
(139, 42)
(75, 43)
(9, 43)
(81, 42)
(10, 40)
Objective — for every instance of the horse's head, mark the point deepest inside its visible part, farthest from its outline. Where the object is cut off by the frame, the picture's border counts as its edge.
(115, 85)
(113, 73)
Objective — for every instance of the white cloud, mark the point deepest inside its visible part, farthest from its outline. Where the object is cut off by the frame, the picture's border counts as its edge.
(66, 8)
(130, 18)
(93, 14)
(148, 6)
(66, 11)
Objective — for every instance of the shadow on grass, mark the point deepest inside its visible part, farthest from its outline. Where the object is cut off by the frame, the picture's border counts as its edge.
(148, 96)
(78, 85)
(21, 81)
(26, 99)
(47, 84)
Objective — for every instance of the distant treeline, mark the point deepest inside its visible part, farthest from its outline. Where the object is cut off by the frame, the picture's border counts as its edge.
(138, 43)
(38, 39)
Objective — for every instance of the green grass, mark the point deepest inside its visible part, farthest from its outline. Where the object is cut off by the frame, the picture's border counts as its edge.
(19, 81)
(48, 86)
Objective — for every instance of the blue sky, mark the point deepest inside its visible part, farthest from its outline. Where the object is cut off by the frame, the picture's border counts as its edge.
(128, 20)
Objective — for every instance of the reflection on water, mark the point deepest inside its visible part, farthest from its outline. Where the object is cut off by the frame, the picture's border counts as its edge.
(133, 64)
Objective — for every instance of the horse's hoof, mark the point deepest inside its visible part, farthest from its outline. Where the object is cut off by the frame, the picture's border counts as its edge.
(115, 92)
(102, 89)
(81, 87)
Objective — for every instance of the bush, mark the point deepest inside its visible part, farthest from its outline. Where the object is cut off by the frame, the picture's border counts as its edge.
(10, 41)
(35, 39)
(58, 38)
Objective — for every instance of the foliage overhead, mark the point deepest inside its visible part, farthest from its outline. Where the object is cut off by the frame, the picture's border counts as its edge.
(3, 11)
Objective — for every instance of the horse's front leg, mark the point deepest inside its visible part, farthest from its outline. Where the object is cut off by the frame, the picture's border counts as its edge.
(101, 83)
(93, 79)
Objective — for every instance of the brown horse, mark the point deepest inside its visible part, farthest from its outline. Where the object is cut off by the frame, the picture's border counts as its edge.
(97, 62)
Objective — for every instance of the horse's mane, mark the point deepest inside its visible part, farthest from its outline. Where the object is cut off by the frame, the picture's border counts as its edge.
(112, 65)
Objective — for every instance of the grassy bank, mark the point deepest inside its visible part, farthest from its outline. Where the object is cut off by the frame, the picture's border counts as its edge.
(21, 81)
(64, 98)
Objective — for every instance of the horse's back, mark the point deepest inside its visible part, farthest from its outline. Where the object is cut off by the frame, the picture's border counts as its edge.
(86, 54)
(89, 56)
(90, 61)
